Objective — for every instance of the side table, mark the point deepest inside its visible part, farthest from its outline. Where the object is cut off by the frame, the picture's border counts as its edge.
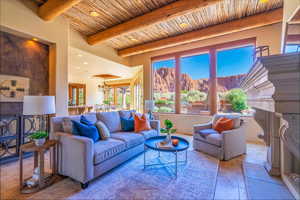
(45, 179)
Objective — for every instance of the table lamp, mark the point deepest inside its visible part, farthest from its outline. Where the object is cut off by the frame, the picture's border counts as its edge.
(39, 106)
(149, 106)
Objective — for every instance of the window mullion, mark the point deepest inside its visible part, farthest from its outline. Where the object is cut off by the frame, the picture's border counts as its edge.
(177, 84)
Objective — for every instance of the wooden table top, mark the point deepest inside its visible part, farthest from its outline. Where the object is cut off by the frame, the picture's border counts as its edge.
(31, 147)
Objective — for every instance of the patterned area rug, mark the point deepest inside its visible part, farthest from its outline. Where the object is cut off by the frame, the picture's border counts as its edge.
(196, 180)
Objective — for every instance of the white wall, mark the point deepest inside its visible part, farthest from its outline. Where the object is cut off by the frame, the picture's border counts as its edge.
(20, 16)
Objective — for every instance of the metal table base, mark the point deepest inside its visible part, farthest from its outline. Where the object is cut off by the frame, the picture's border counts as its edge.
(165, 163)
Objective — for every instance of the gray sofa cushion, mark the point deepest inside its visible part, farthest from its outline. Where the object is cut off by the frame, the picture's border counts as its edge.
(106, 149)
(126, 113)
(149, 133)
(214, 138)
(111, 120)
(130, 138)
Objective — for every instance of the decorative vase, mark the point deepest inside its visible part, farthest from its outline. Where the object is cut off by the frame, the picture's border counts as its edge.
(39, 142)
(168, 138)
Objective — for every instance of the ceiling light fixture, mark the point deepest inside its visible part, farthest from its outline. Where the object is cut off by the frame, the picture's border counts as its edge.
(94, 14)
(34, 39)
(183, 25)
(79, 55)
(85, 63)
(263, 1)
(133, 39)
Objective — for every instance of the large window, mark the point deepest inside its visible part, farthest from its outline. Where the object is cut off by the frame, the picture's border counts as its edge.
(201, 80)
(194, 83)
(164, 85)
(291, 48)
(232, 67)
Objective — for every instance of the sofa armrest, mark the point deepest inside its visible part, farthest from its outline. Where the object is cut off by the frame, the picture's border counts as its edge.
(234, 142)
(155, 124)
(75, 158)
(199, 127)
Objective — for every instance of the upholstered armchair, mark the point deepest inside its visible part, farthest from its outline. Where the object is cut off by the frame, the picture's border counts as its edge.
(225, 145)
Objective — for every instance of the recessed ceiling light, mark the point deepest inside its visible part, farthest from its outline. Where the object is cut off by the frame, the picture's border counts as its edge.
(133, 39)
(183, 25)
(34, 39)
(79, 55)
(85, 63)
(94, 14)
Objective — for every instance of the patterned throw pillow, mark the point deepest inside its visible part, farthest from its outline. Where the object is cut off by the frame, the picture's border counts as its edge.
(68, 126)
(141, 123)
(103, 130)
(127, 124)
(224, 124)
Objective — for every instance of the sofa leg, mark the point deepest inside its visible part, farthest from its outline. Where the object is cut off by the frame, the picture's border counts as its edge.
(84, 185)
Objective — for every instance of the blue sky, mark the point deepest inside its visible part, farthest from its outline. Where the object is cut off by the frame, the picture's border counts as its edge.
(229, 62)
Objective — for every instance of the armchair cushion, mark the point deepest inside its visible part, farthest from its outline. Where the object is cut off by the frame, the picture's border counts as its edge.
(69, 127)
(213, 138)
(205, 132)
(106, 149)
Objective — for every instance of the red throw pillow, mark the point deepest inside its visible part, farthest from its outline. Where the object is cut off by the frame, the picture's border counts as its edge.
(223, 124)
(141, 123)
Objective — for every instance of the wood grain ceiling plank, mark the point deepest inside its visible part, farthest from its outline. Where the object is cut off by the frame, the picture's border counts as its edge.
(167, 12)
(267, 18)
(54, 8)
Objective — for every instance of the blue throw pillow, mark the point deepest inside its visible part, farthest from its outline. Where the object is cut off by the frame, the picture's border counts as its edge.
(87, 131)
(85, 121)
(127, 124)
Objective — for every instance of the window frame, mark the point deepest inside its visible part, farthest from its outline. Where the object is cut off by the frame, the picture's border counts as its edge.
(212, 51)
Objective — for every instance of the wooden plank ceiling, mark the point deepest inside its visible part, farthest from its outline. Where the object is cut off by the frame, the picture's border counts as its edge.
(113, 12)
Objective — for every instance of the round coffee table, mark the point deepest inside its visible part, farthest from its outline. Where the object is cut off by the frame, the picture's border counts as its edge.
(151, 143)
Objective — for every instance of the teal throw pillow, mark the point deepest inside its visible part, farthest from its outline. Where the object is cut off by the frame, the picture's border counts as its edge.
(127, 124)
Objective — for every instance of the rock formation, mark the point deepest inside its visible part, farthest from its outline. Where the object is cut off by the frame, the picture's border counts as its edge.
(164, 81)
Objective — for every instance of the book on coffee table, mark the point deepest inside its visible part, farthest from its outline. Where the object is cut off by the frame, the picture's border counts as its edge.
(164, 145)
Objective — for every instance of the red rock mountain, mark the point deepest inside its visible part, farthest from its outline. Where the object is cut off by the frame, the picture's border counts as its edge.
(164, 81)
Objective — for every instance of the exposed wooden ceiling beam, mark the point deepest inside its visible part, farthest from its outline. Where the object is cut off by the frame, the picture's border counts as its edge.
(267, 18)
(54, 8)
(167, 12)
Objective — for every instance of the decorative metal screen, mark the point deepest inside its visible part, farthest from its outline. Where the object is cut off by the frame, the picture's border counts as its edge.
(15, 131)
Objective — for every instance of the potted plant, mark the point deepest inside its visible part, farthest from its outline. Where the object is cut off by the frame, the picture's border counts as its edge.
(39, 137)
(168, 129)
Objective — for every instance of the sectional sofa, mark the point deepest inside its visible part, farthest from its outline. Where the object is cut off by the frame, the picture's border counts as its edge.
(82, 160)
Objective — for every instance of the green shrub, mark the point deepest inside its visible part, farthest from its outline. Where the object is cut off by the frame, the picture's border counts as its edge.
(195, 95)
(165, 109)
(238, 99)
(39, 135)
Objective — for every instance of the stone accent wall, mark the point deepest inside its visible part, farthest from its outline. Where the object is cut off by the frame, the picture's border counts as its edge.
(26, 58)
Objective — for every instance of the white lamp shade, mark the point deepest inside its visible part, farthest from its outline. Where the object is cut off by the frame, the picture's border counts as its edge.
(149, 105)
(38, 105)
